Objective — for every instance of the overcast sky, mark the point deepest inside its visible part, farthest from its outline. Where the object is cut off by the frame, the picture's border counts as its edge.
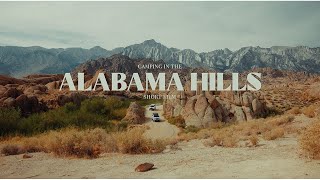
(201, 26)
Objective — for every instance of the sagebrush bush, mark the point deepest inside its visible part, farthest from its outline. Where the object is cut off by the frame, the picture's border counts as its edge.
(11, 149)
(133, 142)
(310, 141)
(89, 143)
(228, 135)
(91, 113)
(178, 121)
(191, 129)
(9, 120)
(95, 106)
(281, 120)
(224, 138)
(254, 140)
(274, 134)
(310, 111)
(72, 142)
(294, 111)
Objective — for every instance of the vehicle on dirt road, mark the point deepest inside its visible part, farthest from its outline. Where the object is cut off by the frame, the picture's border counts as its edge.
(155, 117)
(152, 107)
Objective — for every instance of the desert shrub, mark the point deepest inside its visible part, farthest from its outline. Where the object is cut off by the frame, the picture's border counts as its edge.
(248, 128)
(254, 140)
(223, 138)
(310, 111)
(187, 136)
(118, 113)
(280, 120)
(31, 125)
(310, 141)
(88, 120)
(133, 142)
(72, 142)
(218, 125)
(271, 111)
(228, 135)
(9, 120)
(203, 133)
(89, 143)
(91, 113)
(32, 144)
(118, 126)
(274, 134)
(294, 111)
(192, 129)
(178, 121)
(38, 123)
(94, 106)
(70, 107)
(11, 149)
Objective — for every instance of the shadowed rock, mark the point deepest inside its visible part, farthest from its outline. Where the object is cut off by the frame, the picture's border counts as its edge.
(144, 167)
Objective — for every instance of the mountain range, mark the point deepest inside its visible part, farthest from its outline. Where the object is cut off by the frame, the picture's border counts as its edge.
(20, 61)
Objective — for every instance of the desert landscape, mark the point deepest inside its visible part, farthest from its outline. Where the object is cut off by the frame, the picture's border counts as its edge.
(206, 89)
(270, 133)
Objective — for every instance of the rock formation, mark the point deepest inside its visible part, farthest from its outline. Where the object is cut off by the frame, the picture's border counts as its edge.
(206, 108)
(135, 114)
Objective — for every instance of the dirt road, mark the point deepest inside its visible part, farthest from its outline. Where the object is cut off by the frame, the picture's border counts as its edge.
(159, 130)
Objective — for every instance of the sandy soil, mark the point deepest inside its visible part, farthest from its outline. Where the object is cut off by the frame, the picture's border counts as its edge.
(159, 130)
(272, 159)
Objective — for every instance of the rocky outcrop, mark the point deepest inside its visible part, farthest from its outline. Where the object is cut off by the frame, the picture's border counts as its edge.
(206, 108)
(43, 78)
(27, 103)
(135, 114)
(75, 98)
(4, 80)
(36, 90)
(53, 85)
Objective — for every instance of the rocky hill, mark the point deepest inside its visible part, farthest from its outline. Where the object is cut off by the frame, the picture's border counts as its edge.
(21, 61)
(124, 64)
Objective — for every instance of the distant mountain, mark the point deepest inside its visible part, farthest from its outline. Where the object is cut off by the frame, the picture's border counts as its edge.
(21, 61)
(124, 64)
(299, 58)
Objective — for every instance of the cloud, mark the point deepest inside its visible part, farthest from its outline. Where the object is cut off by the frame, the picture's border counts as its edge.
(202, 26)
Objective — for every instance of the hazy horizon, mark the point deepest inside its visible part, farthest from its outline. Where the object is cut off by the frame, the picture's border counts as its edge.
(200, 26)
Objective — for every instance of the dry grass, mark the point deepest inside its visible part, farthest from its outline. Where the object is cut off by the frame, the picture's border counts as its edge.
(178, 121)
(274, 134)
(294, 111)
(310, 111)
(84, 143)
(254, 140)
(133, 142)
(72, 142)
(229, 135)
(223, 138)
(11, 149)
(281, 120)
(310, 141)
